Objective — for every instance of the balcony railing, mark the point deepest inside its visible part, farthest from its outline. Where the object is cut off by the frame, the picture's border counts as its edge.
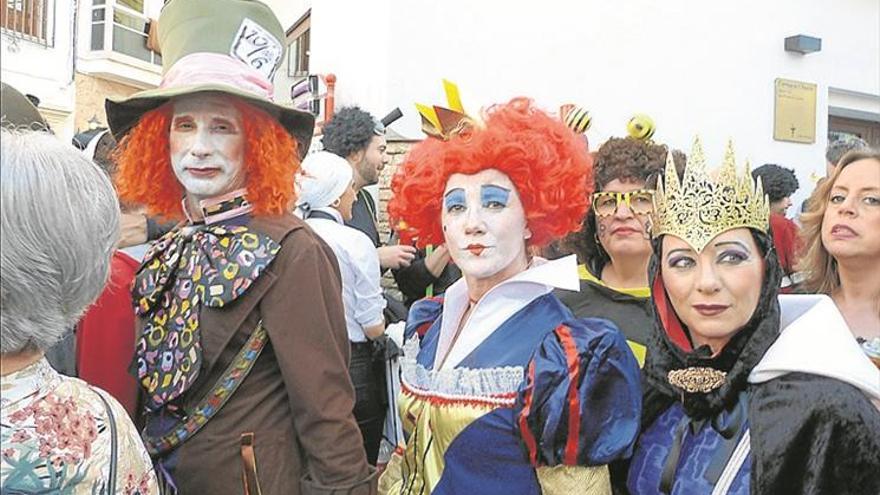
(27, 19)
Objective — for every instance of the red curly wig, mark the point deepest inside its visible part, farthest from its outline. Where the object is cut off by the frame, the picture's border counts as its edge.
(144, 175)
(545, 160)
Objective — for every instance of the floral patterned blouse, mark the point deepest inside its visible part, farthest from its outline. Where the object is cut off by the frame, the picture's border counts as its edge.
(56, 438)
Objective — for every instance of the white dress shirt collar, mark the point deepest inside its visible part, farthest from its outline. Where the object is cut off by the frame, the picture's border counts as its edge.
(332, 212)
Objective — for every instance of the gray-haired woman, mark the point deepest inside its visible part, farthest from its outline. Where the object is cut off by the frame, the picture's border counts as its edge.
(59, 221)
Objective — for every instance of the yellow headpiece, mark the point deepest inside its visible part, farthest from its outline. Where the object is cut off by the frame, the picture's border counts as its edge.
(443, 123)
(699, 207)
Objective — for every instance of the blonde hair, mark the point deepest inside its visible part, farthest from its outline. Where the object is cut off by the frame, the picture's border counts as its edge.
(822, 276)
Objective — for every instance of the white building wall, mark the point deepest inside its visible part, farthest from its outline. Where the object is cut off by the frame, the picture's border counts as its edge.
(288, 12)
(45, 71)
(704, 68)
(107, 63)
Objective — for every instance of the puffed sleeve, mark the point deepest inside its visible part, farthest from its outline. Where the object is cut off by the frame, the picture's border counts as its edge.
(580, 403)
(422, 315)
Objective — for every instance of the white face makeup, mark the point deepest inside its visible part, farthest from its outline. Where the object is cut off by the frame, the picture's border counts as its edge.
(207, 145)
(484, 224)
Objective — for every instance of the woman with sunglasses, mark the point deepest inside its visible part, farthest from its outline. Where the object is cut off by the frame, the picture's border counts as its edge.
(613, 244)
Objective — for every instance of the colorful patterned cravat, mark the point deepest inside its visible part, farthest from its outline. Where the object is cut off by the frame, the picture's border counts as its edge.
(189, 267)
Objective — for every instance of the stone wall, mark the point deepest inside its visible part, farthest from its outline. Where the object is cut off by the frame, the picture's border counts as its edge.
(91, 92)
(397, 150)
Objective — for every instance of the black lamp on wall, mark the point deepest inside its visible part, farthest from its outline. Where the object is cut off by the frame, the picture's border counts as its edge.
(803, 44)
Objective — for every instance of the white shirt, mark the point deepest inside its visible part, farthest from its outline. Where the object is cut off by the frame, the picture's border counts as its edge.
(359, 265)
(498, 305)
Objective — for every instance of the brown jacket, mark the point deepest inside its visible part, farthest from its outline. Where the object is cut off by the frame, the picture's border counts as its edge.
(298, 399)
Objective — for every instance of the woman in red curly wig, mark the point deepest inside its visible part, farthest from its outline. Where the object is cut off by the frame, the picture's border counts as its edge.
(242, 349)
(506, 392)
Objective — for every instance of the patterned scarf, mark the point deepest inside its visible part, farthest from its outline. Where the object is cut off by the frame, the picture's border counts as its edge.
(191, 266)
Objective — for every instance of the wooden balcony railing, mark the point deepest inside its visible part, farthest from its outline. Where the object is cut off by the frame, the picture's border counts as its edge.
(26, 19)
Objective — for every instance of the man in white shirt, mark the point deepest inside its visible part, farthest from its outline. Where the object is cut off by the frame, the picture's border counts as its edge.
(326, 195)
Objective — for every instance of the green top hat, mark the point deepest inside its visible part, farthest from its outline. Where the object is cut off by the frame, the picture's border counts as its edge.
(226, 46)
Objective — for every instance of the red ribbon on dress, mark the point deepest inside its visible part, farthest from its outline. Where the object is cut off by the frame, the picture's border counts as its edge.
(574, 410)
(526, 433)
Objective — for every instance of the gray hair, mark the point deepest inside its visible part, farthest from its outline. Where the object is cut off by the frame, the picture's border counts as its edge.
(59, 222)
(841, 144)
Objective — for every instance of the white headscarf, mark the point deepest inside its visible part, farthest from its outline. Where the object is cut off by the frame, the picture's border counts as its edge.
(322, 179)
(90, 149)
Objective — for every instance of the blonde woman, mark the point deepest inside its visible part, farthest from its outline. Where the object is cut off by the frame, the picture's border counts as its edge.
(841, 234)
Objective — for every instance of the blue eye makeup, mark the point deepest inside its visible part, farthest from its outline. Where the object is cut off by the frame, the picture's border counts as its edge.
(454, 198)
(494, 196)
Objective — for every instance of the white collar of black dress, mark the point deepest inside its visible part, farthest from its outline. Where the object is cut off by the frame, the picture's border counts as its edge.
(815, 339)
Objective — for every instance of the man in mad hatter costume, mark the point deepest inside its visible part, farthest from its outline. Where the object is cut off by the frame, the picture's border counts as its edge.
(242, 349)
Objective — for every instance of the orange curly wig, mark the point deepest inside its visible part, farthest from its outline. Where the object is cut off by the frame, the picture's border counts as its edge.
(144, 175)
(546, 161)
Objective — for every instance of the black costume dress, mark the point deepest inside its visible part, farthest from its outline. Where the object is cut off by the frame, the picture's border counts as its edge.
(785, 420)
(629, 309)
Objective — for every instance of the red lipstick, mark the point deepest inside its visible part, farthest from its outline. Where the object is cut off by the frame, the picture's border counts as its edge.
(710, 309)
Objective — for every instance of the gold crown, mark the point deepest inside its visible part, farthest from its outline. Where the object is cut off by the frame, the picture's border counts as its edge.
(699, 207)
(443, 123)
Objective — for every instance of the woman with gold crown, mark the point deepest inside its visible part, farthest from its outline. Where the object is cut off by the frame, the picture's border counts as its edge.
(506, 393)
(745, 392)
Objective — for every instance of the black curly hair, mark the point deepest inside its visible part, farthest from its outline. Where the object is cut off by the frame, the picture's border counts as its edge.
(626, 159)
(349, 131)
(779, 182)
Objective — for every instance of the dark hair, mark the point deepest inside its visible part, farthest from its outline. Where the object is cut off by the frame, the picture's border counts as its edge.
(841, 144)
(680, 160)
(625, 159)
(628, 159)
(779, 182)
(349, 131)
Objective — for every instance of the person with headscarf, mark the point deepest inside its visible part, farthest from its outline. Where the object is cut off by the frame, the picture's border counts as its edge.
(506, 392)
(241, 349)
(745, 392)
(59, 221)
(325, 201)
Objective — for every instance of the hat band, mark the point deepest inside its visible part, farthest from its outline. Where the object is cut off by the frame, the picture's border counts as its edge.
(216, 68)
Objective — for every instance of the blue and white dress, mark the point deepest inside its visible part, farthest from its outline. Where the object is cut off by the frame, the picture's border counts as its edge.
(527, 400)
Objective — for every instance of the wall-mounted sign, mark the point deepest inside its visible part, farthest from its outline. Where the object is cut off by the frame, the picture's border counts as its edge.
(795, 111)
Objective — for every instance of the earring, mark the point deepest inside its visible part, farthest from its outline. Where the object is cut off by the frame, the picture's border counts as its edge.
(528, 234)
(336, 203)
